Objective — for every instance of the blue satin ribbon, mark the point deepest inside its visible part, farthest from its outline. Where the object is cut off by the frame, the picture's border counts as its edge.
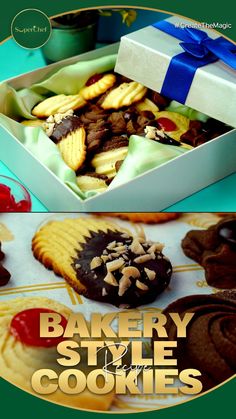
(200, 50)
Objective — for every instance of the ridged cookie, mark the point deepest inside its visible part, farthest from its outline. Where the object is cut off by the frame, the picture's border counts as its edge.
(89, 183)
(57, 243)
(98, 88)
(145, 217)
(19, 361)
(124, 95)
(104, 163)
(58, 104)
(73, 148)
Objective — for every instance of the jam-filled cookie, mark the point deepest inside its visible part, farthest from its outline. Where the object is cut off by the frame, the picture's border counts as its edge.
(104, 262)
(23, 351)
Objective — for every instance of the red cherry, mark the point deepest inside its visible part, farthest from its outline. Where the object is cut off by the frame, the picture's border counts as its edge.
(23, 206)
(93, 79)
(25, 327)
(166, 124)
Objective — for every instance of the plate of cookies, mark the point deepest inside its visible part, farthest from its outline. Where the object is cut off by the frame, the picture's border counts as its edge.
(118, 263)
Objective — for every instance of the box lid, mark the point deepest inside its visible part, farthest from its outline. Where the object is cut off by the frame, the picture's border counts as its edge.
(145, 56)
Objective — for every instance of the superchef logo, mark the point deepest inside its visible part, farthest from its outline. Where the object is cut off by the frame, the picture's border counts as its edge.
(102, 356)
(31, 28)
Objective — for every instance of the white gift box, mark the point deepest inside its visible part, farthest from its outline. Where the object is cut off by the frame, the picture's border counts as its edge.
(145, 55)
(153, 191)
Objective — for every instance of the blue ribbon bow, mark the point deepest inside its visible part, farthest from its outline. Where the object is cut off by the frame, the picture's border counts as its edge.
(200, 50)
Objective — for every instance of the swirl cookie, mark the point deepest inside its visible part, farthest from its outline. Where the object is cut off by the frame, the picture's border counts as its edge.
(91, 183)
(124, 95)
(58, 104)
(102, 85)
(210, 345)
(103, 262)
(215, 250)
(22, 351)
(105, 163)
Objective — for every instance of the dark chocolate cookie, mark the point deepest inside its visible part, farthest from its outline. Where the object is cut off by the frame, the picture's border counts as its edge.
(121, 270)
(210, 345)
(215, 250)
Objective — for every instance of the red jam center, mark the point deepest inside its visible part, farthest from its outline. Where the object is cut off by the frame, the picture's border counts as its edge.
(166, 124)
(8, 203)
(25, 327)
(93, 79)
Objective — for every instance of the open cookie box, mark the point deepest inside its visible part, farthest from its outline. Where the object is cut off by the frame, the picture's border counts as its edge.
(153, 191)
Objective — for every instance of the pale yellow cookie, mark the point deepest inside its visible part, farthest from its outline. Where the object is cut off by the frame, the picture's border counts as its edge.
(90, 183)
(124, 95)
(58, 104)
(98, 88)
(19, 361)
(73, 148)
(57, 243)
(147, 105)
(181, 121)
(33, 123)
(104, 163)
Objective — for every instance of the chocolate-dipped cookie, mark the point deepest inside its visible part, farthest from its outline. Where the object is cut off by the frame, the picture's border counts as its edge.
(102, 261)
(210, 345)
(215, 250)
(122, 270)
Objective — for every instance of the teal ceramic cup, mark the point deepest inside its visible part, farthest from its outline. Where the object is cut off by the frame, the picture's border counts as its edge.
(67, 42)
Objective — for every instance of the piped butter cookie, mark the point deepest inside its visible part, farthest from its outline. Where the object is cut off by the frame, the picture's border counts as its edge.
(58, 104)
(145, 217)
(91, 183)
(73, 148)
(97, 88)
(124, 95)
(104, 262)
(105, 163)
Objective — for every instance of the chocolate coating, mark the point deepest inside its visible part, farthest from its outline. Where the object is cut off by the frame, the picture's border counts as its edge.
(94, 282)
(215, 250)
(61, 130)
(210, 345)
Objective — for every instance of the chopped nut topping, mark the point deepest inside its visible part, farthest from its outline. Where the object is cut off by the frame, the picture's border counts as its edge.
(110, 279)
(115, 255)
(124, 284)
(141, 285)
(111, 245)
(115, 264)
(48, 128)
(131, 272)
(105, 252)
(125, 236)
(104, 258)
(104, 292)
(152, 132)
(156, 247)
(143, 258)
(77, 266)
(137, 248)
(150, 274)
(95, 262)
(120, 249)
